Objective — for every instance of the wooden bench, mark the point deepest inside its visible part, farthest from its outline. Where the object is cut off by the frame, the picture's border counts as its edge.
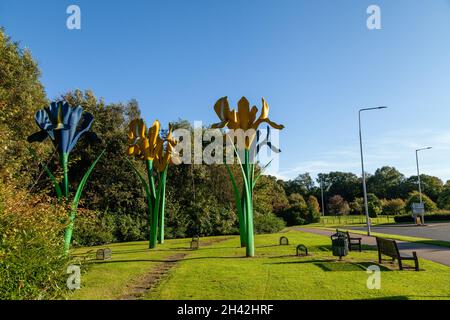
(389, 248)
(352, 241)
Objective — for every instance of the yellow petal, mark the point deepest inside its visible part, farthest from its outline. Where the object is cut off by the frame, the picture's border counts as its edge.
(141, 128)
(222, 108)
(153, 132)
(219, 125)
(253, 113)
(244, 113)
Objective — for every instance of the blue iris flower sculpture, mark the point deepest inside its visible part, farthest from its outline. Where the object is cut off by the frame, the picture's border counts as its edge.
(65, 125)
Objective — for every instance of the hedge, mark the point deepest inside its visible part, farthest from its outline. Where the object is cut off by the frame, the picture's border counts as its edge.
(428, 217)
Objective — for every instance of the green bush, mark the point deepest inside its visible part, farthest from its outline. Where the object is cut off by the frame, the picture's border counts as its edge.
(130, 228)
(394, 207)
(93, 228)
(374, 205)
(268, 223)
(414, 197)
(32, 261)
(428, 217)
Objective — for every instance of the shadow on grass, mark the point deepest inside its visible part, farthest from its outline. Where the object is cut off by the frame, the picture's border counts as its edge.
(333, 265)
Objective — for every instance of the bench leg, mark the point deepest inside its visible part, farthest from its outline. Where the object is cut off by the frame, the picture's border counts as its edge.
(416, 261)
(400, 264)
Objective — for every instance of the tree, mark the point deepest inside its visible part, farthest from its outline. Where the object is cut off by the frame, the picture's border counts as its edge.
(431, 186)
(345, 184)
(373, 203)
(386, 183)
(313, 210)
(303, 185)
(297, 212)
(414, 197)
(394, 207)
(338, 206)
(21, 95)
(444, 197)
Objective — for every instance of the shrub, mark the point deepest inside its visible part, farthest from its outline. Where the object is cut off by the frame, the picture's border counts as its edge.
(93, 228)
(130, 229)
(394, 207)
(338, 206)
(428, 217)
(373, 203)
(32, 261)
(268, 223)
(414, 197)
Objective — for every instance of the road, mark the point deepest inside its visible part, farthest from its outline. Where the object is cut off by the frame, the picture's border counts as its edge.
(435, 231)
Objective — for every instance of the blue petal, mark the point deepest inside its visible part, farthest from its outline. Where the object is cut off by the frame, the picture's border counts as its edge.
(84, 127)
(44, 122)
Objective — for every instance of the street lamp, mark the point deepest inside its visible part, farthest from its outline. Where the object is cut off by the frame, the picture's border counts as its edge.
(418, 172)
(366, 206)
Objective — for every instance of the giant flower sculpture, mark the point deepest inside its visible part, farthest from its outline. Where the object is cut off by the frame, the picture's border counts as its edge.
(245, 120)
(65, 125)
(156, 153)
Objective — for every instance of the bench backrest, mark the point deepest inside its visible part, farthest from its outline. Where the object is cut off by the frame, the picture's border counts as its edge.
(388, 247)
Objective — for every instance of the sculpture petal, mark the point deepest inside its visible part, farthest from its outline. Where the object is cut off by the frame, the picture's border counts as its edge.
(85, 126)
(38, 136)
(222, 108)
(153, 132)
(244, 113)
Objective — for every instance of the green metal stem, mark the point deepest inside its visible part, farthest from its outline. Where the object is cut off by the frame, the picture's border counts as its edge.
(152, 198)
(250, 248)
(154, 226)
(64, 158)
(163, 204)
(65, 165)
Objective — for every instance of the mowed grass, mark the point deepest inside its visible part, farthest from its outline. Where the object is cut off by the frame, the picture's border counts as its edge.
(221, 271)
(110, 279)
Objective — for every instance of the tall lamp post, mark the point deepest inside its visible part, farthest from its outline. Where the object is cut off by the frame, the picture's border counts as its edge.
(418, 172)
(366, 206)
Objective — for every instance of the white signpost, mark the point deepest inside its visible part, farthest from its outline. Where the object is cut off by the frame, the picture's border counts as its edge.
(418, 209)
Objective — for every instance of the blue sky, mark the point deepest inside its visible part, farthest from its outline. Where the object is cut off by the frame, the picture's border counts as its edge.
(314, 61)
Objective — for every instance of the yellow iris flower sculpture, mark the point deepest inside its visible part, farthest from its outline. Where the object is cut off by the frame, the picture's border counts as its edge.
(247, 120)
(244, 118)
(156, 152)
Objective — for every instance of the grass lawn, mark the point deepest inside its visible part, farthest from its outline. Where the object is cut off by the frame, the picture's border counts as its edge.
(220, 271)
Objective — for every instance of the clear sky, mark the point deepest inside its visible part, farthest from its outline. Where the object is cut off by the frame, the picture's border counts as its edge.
(314, 61)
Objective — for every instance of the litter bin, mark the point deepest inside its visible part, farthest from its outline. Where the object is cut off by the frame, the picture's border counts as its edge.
(339, 245)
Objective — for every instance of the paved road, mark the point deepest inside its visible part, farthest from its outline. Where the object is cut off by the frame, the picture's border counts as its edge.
(435, 231)
(430, 252)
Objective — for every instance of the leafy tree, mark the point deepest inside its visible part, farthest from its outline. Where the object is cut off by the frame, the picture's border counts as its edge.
(21, 95)
(373, 203)
(338, 206)
(303, 185)
(431, 186)
(414, 197)
(444, 197)
(313, 210)
(345, 184)
(386, 183)
(297, 212)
